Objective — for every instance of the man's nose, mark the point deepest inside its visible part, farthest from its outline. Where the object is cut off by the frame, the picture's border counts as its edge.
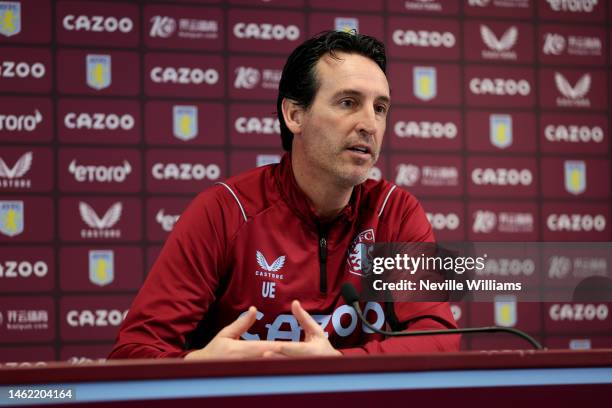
(367, 121)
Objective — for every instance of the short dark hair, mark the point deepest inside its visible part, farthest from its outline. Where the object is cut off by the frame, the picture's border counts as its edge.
(298, 82)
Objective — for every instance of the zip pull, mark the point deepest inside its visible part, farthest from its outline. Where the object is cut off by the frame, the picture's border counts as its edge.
(322, 264)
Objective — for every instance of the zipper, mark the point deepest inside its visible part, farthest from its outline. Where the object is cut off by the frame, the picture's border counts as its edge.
(322, 262)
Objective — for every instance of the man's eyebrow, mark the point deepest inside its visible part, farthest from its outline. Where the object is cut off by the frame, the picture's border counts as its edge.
(352, 92)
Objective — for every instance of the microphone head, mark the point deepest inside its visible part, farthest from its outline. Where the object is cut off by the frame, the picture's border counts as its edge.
(349, 293)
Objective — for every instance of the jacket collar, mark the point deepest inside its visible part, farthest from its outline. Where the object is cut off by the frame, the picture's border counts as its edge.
(299, 202)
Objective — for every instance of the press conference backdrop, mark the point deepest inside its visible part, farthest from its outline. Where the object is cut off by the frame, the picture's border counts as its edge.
(114, 114)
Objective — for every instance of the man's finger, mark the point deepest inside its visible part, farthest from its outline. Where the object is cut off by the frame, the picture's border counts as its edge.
(310, 326)
(240, 325)
(295, 349)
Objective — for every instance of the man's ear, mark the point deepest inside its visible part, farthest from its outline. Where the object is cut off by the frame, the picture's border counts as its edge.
(293, 114)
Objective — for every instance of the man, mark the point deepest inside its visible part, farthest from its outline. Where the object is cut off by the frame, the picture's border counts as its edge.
(262, 257)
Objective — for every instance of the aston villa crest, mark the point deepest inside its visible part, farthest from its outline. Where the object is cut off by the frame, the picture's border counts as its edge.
(10, 18)
(424, 83)
(11, 217)
(185, 122)
(505, 311)
(346, 24)
(575, 176)
(101, 267)
(98, 71)
(500, 130)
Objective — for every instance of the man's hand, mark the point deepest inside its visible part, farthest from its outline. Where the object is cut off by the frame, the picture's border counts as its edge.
(315, 341)
(227, 343)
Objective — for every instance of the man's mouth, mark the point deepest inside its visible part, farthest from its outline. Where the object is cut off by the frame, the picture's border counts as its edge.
(364, 149)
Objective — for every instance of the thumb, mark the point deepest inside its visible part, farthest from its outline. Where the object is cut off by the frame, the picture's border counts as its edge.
(240, 325)
(309, 325)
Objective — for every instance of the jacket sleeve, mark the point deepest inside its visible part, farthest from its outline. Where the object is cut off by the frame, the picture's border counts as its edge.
(181, 285)
(407, 212)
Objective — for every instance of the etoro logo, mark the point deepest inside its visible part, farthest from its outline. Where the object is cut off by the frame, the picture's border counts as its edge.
(27, 123)
(573, 96)
(573, 6)
(266, 31)
(100, 227)
(576, 222)
(97, 24)
(100, 174)
(166, 221)
(12, 177)
(10, 18)
(274, 267)
(499, 48)
(22, 69)
(423, 38)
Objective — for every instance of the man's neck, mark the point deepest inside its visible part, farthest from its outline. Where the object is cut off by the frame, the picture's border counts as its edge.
(327, 198)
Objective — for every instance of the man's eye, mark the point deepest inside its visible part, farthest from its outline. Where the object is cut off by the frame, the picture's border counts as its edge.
(381, 109)
(348, 103)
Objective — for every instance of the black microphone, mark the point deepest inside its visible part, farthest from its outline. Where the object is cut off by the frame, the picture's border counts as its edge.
(350, 296)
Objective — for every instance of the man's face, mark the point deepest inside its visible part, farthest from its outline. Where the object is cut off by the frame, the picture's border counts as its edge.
(343, 129)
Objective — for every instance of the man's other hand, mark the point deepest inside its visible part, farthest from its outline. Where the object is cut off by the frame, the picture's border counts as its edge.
(315, 341)
(227, 343)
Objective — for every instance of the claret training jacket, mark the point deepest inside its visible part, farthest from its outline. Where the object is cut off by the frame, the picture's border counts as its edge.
(255, 240)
